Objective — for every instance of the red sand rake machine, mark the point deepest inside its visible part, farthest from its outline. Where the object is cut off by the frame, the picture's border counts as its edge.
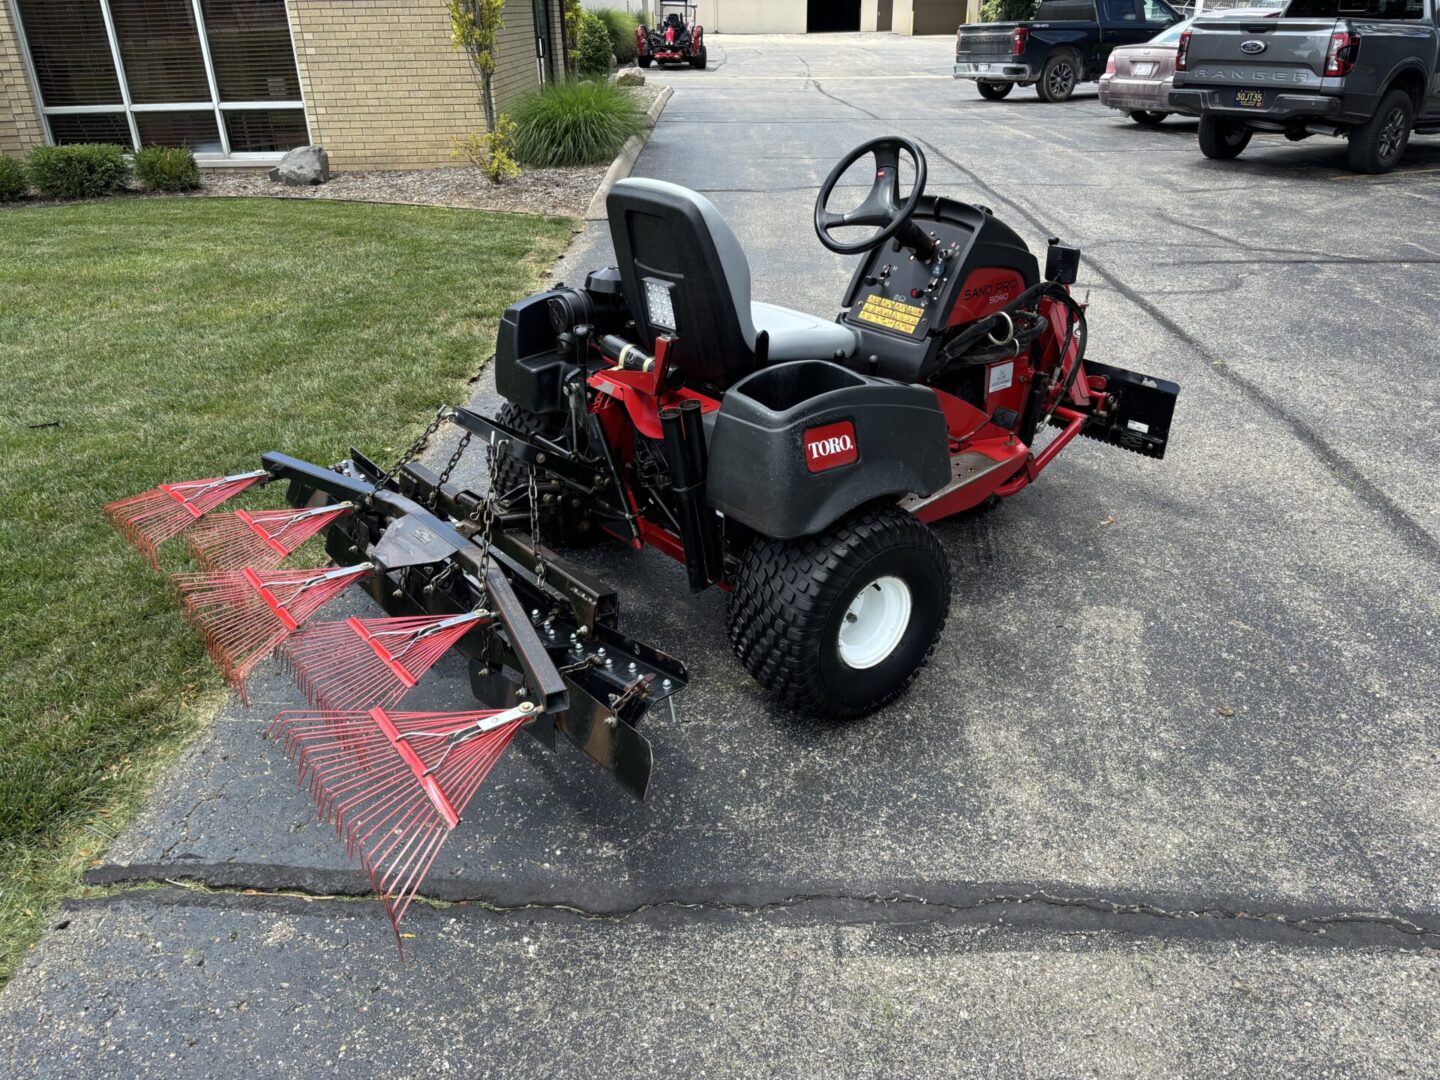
(453, 571)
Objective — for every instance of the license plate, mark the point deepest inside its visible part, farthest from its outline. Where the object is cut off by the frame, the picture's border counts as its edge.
(1250, 99)
(1143, 68)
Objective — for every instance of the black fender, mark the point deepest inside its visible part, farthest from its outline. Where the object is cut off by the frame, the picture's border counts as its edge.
(795, 447)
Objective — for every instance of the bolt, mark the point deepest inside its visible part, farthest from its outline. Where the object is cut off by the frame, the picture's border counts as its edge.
(535, 613)
(851, 617)
(583, 630)
(397, 594)
(612, 721)
(632, 665)
(666, 684)
(609, 662)
(539, 459)
(600, 651)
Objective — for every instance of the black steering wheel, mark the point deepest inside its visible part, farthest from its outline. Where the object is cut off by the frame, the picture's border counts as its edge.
(881, 207)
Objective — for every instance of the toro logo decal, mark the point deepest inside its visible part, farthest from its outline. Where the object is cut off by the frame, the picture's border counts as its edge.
(830, 446)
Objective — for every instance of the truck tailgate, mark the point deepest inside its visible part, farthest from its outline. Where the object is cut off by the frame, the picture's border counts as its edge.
(1293, 56)
(989, 42)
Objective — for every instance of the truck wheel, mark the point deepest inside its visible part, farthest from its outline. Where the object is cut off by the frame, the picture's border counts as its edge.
(837, 624)
(562, 524)
(1146, 118)
(994, 91)
(699, 61)
(1220, 139)
(1058, 77)
(1377, 145)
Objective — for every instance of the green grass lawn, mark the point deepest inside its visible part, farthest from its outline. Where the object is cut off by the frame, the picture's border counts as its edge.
(153, 340)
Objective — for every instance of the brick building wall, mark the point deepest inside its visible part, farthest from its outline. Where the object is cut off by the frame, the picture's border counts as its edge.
(20, 126)
(383, 87)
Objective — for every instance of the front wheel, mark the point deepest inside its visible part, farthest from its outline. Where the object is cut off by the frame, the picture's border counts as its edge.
(1221, 140)
(1146, 118)
(699, 60)
(1058, 77)
(838, 624)
(994, 91)
(1377, 145)
(644, 61)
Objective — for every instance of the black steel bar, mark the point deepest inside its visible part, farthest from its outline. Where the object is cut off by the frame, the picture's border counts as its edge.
(690, 414)
(540, 673)
(554, 459)
(682, 482)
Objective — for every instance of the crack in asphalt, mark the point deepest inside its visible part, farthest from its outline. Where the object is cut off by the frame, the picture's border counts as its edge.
(971, 905)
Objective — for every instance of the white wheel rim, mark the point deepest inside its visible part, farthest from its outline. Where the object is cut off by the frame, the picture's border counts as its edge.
(875, 622)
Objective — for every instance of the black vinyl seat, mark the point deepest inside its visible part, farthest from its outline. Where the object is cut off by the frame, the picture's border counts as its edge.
(684, 273)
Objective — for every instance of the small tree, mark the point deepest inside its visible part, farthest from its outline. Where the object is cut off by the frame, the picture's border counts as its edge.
(474, 27)
(574, 16)
(594, 48)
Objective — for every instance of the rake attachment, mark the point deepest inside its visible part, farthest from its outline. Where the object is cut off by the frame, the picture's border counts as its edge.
(395, 784)
(261, 540)
(242, 615)
(362, 662)
(149, 519)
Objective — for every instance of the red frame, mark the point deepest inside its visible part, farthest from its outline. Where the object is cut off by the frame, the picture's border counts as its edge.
(628, 401)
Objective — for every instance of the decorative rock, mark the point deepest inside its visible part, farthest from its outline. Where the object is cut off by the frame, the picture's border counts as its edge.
(630, 77)
(303, 166)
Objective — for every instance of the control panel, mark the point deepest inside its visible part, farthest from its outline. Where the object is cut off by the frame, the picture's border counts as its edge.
(904, 295)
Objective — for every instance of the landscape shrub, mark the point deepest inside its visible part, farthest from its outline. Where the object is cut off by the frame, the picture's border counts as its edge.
(13, 184)
(583, 122)
(167, 168)
(1007, 10)
(81, 171)
(492, 153)
(593, 48)
(621, 27)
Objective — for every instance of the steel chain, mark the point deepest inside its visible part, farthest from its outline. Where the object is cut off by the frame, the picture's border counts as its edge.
(484, 512)
(441, 416)
(449, 468)
(533, 489)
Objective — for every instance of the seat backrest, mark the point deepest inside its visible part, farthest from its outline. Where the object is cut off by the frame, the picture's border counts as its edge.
(684, 274)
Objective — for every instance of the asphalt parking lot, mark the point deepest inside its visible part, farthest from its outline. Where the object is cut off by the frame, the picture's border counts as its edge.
(1164, 804)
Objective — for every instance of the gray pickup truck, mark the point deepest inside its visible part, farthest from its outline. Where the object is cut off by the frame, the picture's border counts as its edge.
(1362, 70)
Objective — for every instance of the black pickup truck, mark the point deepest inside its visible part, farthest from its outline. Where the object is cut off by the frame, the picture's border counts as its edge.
(1065, 44)
(1362, 70)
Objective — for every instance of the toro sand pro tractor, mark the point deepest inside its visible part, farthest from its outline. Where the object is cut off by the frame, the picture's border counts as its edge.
(796, 463)
(677, 40)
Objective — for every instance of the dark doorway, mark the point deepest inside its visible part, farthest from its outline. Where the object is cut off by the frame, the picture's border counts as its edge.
(832, 16)
(884, 13)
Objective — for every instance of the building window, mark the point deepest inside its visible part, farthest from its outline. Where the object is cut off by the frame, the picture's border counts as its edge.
(217, 76)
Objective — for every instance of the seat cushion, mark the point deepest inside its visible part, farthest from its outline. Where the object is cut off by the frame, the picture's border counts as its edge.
(797, 336)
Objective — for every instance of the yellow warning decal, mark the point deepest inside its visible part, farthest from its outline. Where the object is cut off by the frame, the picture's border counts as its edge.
(891, 314)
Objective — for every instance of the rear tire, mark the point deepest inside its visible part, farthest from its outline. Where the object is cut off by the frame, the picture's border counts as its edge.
(699, 62)
(1377, 145)
(838, 624)
(1222, 140)
(994, 91)
(1058, 77)
(644, 61)
(1146, 118)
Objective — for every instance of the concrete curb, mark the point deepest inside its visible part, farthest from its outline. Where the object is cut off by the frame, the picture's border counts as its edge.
(625, 160)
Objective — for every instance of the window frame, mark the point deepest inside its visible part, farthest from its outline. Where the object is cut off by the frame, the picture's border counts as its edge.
(129, 108)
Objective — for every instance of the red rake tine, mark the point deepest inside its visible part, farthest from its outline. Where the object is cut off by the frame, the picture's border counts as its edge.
(358, 663)
(395, 784)
(242, 615)
(149, 519)
(260, 540)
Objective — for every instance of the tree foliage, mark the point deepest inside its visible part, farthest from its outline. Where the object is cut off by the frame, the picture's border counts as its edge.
(1007, 10)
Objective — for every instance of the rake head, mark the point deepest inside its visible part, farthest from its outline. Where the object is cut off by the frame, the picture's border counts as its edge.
(149, 519)
(260, 540)
(363, 662)
(242, 615)
(395, 784)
